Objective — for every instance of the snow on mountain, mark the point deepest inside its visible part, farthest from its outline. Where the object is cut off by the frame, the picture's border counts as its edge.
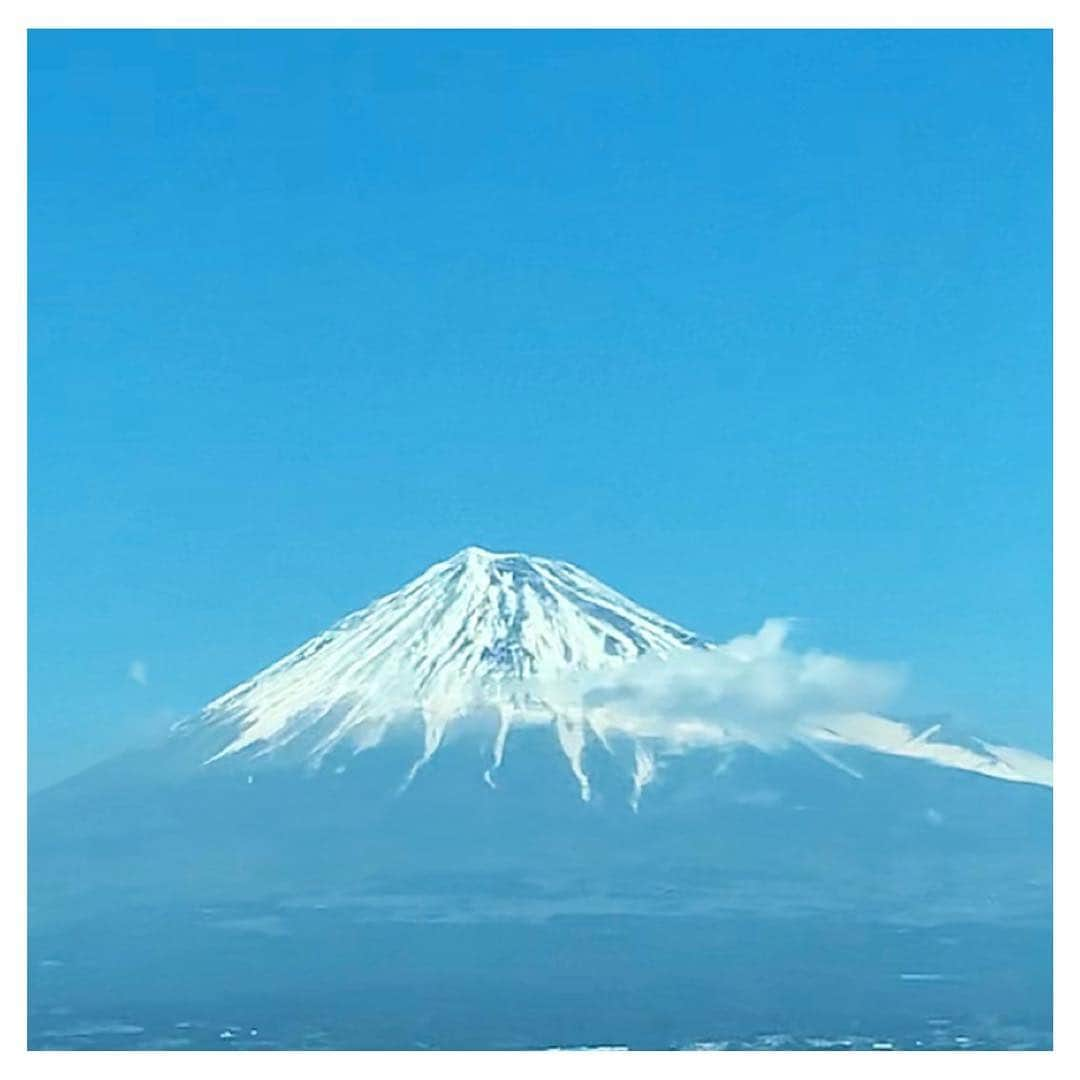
(476, 632)
(532, 641)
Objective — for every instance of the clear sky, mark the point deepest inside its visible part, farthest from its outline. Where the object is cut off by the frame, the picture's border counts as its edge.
(746, 324)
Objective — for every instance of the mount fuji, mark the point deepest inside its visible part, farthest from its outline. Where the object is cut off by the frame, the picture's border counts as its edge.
(508, 744)
(502, 710)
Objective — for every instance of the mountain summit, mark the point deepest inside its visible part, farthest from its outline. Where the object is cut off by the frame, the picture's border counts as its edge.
(480, 633)
(499, 641)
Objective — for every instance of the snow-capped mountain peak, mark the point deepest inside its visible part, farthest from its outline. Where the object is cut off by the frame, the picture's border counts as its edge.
(532, 641)
(479, 631)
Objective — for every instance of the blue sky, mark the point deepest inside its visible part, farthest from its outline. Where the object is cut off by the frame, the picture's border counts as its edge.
(746, 324)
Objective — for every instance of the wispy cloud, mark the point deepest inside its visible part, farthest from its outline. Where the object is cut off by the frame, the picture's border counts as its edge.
(758, 690)
(753, 689)
(139, 672)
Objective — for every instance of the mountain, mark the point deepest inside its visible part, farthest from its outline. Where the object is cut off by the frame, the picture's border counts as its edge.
(506, 781)
(502, 710)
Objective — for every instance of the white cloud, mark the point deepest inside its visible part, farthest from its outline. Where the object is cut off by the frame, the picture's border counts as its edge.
(757, 690)
(139, 672)
(754, 689)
